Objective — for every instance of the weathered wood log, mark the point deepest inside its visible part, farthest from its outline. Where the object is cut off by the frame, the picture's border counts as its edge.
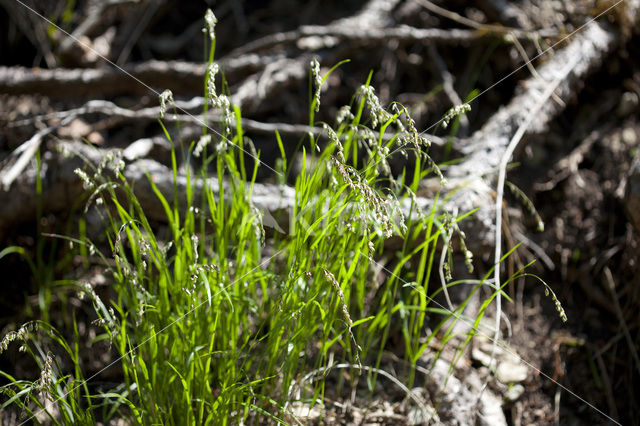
(61, 187)
(484, 150)
(471, 179)
(179, 76)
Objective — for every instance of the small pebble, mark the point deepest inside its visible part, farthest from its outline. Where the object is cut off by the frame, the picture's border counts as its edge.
(509, 372)
(628, 102)
(629, 136)
(514, 393)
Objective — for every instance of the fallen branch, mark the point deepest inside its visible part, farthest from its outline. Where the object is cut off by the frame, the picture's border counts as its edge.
(61, 187)
(195, 104)
(472, 178)
(484, 150)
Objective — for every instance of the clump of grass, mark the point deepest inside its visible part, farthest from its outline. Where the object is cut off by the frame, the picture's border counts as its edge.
(54, 397)
(207, 328)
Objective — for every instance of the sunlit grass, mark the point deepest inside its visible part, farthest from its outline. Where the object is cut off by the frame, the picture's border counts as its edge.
(218, 323)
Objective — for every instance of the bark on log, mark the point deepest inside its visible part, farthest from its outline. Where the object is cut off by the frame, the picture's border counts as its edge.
(484, 150)
(191, 116)
(62, 188)
(179, 76)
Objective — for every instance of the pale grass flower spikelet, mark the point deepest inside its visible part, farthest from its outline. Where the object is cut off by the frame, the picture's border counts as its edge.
(194, 246)
(222, 145)
(217, 100)
(414, 200)
(211, 79)
(145, 249)
(335, 139)
(454, 112)
(22, 334)
(344, 115)
(202, 143)
(527, 203)
(47, 379)
(87, 183)
(448, 230)
(371, 202)
(559, 308)
(223, 102)
(210, 21)
(258, 224)
(396, 212)
(345, 311)
(436, 169)
(409, 133)
(166, 100)
(317, 81)
(378, 114)
(110, 160)
(468, 254)
(87, 290)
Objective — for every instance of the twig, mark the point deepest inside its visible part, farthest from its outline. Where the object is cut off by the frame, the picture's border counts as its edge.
(556, 407)
(33, 29)
(152, 113)
(447, 84)
(569, 164)
(506, 12)
(585, 279)
(11, 170)
(506, 157)
(177, 75)
(138, 24)
(496, 29)
(94, 18)
(374, 14)
(539, 251)
(485, 148)
(530, 67)
(607, 384)
(324, 370)
(611, 285)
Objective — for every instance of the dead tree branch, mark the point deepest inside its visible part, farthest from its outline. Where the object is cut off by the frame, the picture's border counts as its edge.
(472, 178)
(485, 148)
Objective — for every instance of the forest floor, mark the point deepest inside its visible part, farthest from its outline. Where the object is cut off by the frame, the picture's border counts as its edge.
(575, 165)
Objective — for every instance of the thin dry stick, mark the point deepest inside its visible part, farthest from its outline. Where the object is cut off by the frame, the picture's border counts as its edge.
(142, 83)
(500, 192)
(606, 383)
(499, 29)
(556, 407)
(26, 151)
(323, 370)
(530, 67)
(612, 287)
(151, 113)
(539, 251)
(443, 281)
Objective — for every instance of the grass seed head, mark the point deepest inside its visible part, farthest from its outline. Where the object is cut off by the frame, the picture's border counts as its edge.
(166, 100)
(454, 112)
(210, 22)
(202, 142)
(317, 80)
